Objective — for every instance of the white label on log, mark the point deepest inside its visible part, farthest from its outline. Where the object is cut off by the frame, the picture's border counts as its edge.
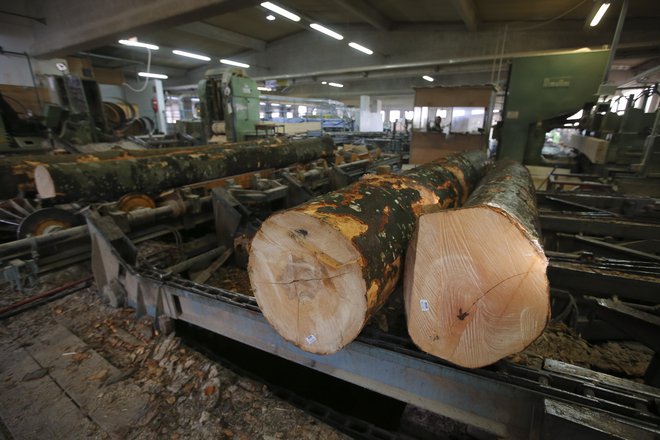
(310, 339)
(424, 304)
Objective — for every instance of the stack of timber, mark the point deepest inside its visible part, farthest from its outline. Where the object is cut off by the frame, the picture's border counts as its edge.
(109, 180)
(475, 284)
(321, 270)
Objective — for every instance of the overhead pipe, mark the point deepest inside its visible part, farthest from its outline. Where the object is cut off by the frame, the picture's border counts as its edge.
(615, 40)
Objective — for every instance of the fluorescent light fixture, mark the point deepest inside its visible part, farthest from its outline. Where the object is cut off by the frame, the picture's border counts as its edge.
(280, 11)
(599, 15)
(234, 63)
(335, 84)
(191, 55)
(325, 30)
(136, 43)
(477, 111)
(265, 89)
(270, 17)
(361, 48)
(274, 104)
(262, 103)
(324, 82)
(577, 116)
(428, 78)
(152, 75)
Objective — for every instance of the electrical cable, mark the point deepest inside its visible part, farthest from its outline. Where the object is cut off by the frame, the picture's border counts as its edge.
(550, 20)
(146, 82)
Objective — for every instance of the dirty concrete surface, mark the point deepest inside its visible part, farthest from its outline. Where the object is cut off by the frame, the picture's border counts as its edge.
(76, 368)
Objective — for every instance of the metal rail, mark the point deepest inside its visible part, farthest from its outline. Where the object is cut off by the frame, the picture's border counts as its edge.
(508, 400)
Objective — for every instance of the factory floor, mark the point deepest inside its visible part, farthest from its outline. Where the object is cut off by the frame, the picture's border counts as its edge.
(76, 368)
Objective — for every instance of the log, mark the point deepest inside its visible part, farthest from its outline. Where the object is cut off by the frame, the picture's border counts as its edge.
(109, 180)
(17, 172)
(321, 270)
(475, 285)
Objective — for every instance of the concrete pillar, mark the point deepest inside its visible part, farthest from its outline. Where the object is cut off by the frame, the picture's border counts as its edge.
(160, 97)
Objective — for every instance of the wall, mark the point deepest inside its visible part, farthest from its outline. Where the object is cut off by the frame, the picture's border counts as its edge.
(110, 92)
(14, 69)
(143, 99)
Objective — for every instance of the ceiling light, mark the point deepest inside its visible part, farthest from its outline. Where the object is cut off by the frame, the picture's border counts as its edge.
(152, 75)
(281, 11)
(360, 48)
(136, 43)
(599, 15)
(428, 78)
(325, 30)
(324, 82)
(335, 84)
(270, 17)
(265, 89)
(235, 63)
(191, 55)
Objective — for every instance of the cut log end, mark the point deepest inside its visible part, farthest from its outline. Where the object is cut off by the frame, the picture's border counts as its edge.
(44, 182)
(308, 282)
(475, 286)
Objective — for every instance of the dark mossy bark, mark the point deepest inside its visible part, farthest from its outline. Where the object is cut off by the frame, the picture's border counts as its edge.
(93, 181)
(379, 212)
(17, 172)
(508, 188)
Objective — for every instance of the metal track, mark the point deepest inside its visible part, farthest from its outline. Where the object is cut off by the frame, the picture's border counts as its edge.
(356, 428)
(603, 392)
(507, 400)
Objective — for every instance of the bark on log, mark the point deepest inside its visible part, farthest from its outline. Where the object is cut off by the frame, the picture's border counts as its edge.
(475, 284)
(109, 180)
(17, 172)
(320, 271)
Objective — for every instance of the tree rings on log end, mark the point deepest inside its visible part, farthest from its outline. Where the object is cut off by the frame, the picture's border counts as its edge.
(44, 182)
(475, 286)
(308, 281)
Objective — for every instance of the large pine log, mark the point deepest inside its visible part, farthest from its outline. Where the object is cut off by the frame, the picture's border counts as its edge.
(475, 285)
(109, 180)
(17, 172)
(320, 271)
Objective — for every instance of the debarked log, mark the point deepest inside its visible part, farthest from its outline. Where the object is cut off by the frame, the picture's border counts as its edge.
(475, 284)
(109, 180)
(321, 270)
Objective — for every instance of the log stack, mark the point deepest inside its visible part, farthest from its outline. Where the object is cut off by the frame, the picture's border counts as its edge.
(319, 271)
(475, 284)
(109, 180)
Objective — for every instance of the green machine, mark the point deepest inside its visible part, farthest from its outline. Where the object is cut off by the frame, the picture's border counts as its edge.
(543, 92)
(230, 105)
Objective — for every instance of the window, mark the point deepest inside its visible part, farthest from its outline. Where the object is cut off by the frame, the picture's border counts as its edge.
(465, 120)
(394, 115)
(172, 111)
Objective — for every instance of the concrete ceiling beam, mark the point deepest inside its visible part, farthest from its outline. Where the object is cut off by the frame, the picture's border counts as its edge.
(222, 35)
(75, 25)
(367, 13)
(468, 12)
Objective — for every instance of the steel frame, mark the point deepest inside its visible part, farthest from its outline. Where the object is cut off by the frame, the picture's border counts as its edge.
(515, 404)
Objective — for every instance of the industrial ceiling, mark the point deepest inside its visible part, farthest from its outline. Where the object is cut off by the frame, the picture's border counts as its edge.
(454, 41)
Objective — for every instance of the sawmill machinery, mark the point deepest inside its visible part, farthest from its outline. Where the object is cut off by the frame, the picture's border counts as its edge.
(229, 105)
